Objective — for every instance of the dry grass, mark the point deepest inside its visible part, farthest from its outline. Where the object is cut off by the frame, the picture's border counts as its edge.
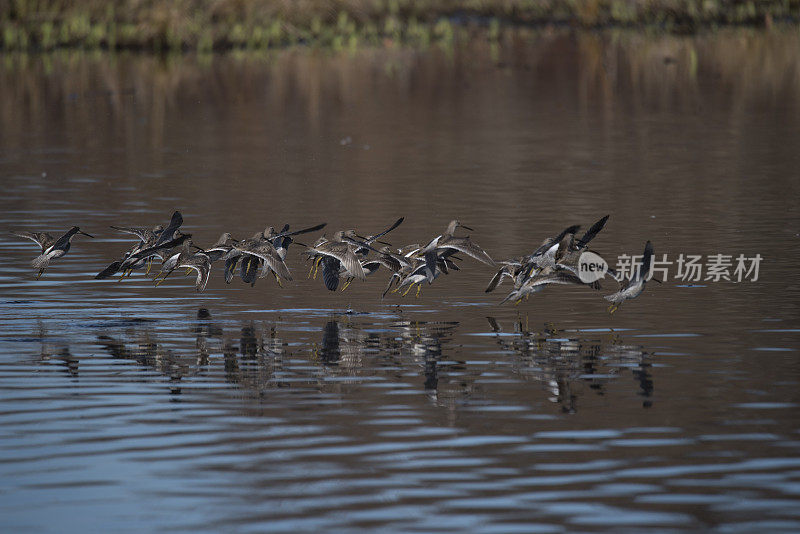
(207, 25)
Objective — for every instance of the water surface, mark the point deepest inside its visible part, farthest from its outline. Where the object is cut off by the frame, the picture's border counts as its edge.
(246, 409)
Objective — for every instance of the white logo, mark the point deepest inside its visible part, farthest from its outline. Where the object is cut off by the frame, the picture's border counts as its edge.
(591, 267)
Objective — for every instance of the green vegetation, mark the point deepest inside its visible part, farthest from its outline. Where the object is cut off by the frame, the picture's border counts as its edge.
(207, 25)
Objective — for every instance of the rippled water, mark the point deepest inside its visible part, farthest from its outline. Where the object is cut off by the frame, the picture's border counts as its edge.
(126, 407)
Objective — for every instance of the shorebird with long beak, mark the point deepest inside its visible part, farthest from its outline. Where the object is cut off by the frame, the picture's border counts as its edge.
(548, 252)
(633, 288)
(385, 258)
(546, 255)
(51, 248)
(336, 254)
(509, 269)
(255, 250)
(543, 278)
(281, 241)
(252, 266)
(171, 231)
(153, 244)
(201, 263)
(415, 273)
(174, 258)
(570, 257)
(147, 238)
(219, 249)
(160, 250)
(448, 244)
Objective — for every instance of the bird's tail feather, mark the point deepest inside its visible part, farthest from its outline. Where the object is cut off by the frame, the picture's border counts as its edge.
(41, 261)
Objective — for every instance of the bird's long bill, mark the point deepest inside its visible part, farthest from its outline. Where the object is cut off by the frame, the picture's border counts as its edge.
(84, 233)
(465, 227)
(361, 244)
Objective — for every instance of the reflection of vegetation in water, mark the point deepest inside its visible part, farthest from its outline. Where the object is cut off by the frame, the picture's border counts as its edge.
(133, 96)
(206, 25)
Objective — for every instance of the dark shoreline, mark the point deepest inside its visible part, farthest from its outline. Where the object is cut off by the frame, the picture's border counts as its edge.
(228, 26)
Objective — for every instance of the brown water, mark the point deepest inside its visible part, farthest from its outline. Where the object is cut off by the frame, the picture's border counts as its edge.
(131, 408)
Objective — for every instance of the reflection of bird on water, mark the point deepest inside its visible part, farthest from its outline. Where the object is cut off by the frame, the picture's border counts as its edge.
(446, 381)
(146, 352)
(56, 350)
(51, 248)
(329, 351)
(343, 346)
(260, 360)
(204, 330)
(562, 361)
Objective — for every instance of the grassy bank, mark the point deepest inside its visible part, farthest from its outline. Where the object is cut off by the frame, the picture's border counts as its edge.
(207, 25)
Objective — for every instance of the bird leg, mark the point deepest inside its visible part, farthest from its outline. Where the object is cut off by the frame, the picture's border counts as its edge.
(419, 288)
(347, 284)
(149, 265)
(277, 279)
(316, 266)
(188, 270)
(613, 308)
(407, 290)
(41, 272)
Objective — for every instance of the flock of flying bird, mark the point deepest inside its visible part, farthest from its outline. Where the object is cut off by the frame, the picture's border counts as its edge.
(345, 257)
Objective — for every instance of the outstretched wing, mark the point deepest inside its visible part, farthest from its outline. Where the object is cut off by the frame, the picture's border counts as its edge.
(169, 231)
(330, 272)
(647, 260)
(345, 255)
(496, 279)
(43, 239)
(109, 271)
(142, 233)
(592, 232)
(230, 267)
(266, 252)
(201, 264)
(468, 247)
(392, 227)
